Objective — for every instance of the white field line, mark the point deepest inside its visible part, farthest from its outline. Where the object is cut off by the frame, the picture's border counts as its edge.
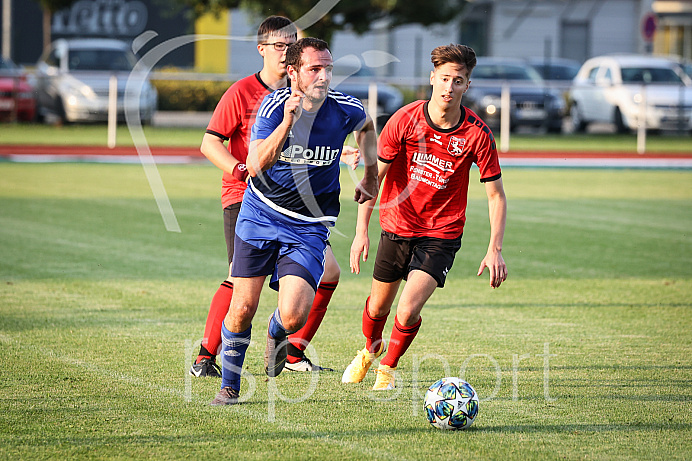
(282, 424)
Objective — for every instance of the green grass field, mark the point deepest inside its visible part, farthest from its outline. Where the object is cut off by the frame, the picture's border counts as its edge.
(80, 135)
(584, 353)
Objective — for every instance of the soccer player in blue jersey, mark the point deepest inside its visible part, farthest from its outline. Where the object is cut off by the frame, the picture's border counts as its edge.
(291, 201)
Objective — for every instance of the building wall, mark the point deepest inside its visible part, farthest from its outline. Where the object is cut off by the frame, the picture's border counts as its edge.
(122, 19)
(518, 28)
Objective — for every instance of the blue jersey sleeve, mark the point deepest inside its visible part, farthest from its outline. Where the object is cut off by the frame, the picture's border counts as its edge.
(270, 114)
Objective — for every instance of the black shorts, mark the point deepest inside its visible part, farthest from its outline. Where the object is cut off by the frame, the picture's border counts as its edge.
(397, 256)
(230, 216)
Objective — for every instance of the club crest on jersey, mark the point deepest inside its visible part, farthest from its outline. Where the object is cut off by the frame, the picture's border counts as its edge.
(456, 146)
(321, 155)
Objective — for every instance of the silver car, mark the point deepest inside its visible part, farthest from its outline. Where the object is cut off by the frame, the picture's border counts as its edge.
(73, 80)
(624, 89)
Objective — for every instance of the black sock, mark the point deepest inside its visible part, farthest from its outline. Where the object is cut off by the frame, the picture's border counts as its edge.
(293, 351)
(205, 353)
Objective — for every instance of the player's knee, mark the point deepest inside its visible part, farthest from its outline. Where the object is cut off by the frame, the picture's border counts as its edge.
(406, 318)
(242, 312)
(332, 271)
(294, 322)
(377, 310)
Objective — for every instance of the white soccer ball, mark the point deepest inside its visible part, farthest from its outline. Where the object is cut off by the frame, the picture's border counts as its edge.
(451, 403)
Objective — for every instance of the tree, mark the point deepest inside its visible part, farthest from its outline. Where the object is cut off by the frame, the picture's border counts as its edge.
(49, 7)
(357, 15)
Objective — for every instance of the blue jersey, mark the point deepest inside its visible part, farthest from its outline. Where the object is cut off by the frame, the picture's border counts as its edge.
(304, 183)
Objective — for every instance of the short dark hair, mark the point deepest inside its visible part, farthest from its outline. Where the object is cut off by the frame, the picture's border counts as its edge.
(295, 50)
(457, 54)
(276, 25)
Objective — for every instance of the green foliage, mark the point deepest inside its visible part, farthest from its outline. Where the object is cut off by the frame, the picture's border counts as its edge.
(582, 354)
(189, 95)
(357, 15)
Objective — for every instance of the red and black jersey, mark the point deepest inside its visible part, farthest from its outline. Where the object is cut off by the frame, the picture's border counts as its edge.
(425, 190)
(232, 119)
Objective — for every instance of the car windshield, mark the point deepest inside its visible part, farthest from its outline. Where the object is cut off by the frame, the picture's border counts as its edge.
(650, 75)
(92, 59)
(556, 71)
(504, 72)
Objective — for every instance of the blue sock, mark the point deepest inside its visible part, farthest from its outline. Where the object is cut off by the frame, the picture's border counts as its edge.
(234, 346)
(276, 328)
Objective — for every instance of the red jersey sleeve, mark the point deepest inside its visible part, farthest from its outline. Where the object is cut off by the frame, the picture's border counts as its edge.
(227, 115)
(487, 160)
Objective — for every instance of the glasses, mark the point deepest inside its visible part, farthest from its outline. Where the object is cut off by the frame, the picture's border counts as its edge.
(278, 46)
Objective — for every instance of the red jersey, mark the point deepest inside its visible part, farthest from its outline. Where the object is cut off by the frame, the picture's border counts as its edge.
(425, 190)
(232, 119)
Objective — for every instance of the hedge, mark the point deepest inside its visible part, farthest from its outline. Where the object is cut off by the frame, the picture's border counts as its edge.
(189, 95)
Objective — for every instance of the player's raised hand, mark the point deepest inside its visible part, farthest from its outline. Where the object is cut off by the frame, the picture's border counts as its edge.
(496, 267)
(350, 156)
(293, 108)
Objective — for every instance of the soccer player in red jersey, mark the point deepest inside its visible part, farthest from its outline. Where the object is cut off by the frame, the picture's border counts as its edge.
(425, 151)
(231, 121)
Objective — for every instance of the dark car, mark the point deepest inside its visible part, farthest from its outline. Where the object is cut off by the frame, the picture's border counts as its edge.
(555, 69)
(16, 93)
(351, 76)
(532, 102)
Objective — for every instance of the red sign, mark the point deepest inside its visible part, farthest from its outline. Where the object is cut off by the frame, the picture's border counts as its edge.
(649, 27)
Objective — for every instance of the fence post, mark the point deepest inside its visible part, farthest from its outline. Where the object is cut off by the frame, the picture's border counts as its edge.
(505, 107)
(641, 128)
(372, 103)
(112, 110)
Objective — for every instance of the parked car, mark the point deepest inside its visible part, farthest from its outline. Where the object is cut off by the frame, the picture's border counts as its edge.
(16, 93)
(73, 79)
(352, 77)
(532, 102)
(609, 89)
(556, 72)
(686, 65)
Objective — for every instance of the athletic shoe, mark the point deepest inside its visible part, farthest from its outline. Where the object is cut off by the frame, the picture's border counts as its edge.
(206, 367)
(360, 365)
(226, 396)
(304, 364)
(385, 378)
(275, 355)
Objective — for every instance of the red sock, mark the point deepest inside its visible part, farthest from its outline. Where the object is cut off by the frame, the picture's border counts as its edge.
(401, 339)
(301, 338)
(217, 312)
(372, 328)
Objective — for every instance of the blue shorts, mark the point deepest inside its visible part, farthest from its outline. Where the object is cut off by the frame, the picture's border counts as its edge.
(269, 243)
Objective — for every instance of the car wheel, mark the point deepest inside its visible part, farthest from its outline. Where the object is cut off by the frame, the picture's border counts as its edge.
(554, 124)
(578, 122)
(619, 122)
(39, 117)
(60, 112)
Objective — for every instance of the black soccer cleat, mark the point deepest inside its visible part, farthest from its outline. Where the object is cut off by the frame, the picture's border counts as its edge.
(275, 355)
(205, 368)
